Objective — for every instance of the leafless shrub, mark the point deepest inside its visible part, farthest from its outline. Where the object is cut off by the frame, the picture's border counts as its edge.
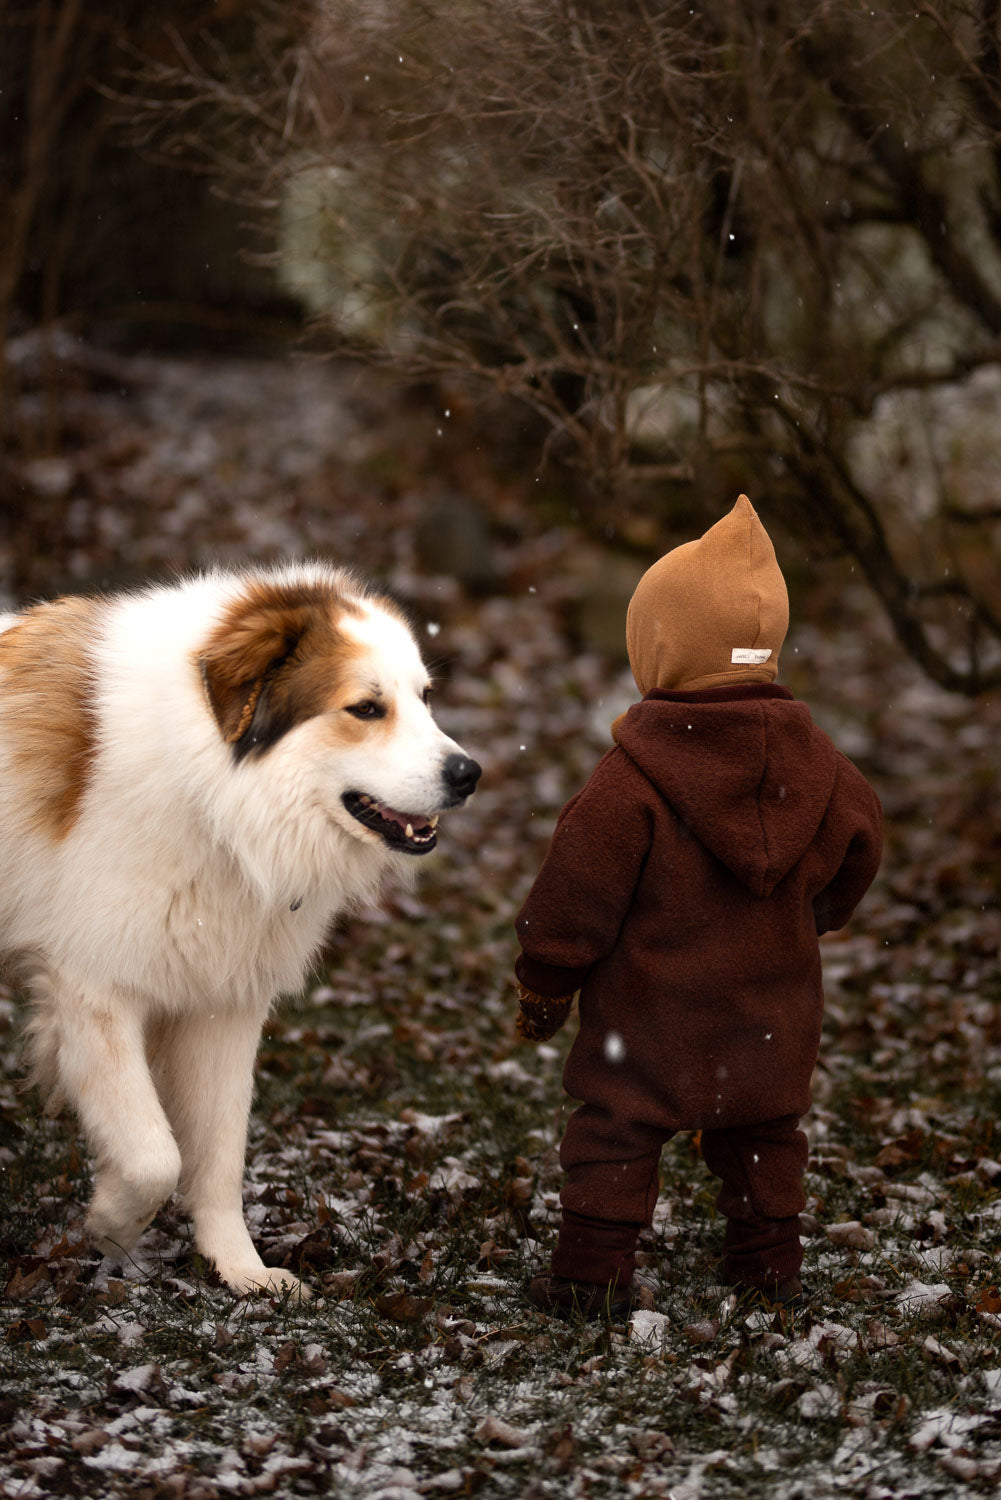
(707, 243)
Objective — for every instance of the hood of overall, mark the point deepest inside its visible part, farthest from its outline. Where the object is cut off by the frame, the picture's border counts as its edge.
(745, 769)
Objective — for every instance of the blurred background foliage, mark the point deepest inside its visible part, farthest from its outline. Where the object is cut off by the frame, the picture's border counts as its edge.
(706, 248)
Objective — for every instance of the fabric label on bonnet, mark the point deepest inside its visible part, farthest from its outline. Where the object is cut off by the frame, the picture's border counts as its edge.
(749, 656)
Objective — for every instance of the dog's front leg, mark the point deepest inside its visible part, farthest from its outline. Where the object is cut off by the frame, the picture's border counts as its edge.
(103, 1074)
(204, 1065)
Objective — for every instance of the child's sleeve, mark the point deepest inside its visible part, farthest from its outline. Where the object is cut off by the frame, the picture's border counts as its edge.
(860, 809)
(576, 907)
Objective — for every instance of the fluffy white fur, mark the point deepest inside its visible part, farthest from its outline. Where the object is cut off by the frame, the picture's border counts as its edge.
(192, 887)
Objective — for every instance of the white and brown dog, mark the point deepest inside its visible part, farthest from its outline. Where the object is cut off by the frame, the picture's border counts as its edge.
(194, 780)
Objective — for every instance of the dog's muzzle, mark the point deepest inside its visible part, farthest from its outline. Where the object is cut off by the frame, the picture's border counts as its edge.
(409, 832)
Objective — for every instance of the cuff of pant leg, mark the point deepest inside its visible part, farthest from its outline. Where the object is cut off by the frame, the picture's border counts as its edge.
(761, 1252)
(596, 1250)
(594, 1266)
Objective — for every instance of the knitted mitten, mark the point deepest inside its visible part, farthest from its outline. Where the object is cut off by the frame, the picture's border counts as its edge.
(541, 1017)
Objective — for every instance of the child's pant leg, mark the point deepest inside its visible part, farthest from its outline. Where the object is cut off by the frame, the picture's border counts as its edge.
(608, 1195)
(761, 1168)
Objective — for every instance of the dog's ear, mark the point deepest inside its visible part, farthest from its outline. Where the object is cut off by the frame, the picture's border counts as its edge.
(242, 664)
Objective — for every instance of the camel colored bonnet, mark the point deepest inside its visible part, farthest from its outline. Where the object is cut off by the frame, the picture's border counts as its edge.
(711, 612)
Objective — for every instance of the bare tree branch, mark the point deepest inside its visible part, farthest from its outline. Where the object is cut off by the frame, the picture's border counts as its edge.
(690, 238)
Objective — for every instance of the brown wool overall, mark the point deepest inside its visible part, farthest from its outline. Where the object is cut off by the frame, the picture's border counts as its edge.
(683, 894)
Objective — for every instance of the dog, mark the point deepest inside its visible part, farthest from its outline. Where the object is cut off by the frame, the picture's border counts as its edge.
(195, 779)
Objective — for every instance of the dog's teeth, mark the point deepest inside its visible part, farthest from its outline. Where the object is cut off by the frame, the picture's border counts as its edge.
(434, 821)
(409, 830)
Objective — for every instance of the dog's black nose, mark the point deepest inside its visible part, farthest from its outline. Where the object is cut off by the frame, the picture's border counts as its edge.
(461, 774)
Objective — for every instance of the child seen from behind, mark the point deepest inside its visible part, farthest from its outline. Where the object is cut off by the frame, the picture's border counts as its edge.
(683, 894)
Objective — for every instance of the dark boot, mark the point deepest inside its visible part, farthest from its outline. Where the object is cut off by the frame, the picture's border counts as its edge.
(562, 1297)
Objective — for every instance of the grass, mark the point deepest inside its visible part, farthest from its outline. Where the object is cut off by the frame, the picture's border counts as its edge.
(404, 1161)
(403, 1157)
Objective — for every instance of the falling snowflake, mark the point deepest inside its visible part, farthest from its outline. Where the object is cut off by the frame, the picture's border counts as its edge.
(615, 1047)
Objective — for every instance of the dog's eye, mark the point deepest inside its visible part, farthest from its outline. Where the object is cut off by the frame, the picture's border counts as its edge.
(426, 695)
(367, 709)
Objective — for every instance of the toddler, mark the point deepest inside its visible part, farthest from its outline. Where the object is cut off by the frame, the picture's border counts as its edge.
(683, 894)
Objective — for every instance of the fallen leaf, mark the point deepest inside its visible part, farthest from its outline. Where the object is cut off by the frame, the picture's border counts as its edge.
(989, 1301)
(562, 1446)
(339, 1400)
(702, 1332)
(936, 1350)
(341, 1284)
(288, 1354)
(25, 1331)
(881, 1336)
(518, 1191)
(65, 1246)
(903, 1151)
(403, 1307)
(652, 1445)
(493, 1430)
(91, 1441)
(490, 1254)
(851, 1235)
(29, 1273)
(260, 1444)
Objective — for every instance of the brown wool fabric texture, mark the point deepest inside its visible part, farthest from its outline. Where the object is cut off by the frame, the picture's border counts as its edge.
(683, 893)
(705, 599)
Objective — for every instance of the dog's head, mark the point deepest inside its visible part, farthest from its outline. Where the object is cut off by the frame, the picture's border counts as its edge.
(314, 657)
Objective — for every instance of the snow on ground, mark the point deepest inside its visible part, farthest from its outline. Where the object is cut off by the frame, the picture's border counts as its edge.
(403, 1151)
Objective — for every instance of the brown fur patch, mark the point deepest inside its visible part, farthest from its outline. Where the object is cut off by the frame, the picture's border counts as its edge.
(46, 674)
(275, 660)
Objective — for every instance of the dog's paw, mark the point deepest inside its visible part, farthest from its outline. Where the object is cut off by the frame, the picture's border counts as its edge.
(125, 1202)
(112, 1227)
(110, 1239)
(272, 1281)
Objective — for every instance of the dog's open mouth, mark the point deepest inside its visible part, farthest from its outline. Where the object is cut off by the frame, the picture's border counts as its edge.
(409, 832)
